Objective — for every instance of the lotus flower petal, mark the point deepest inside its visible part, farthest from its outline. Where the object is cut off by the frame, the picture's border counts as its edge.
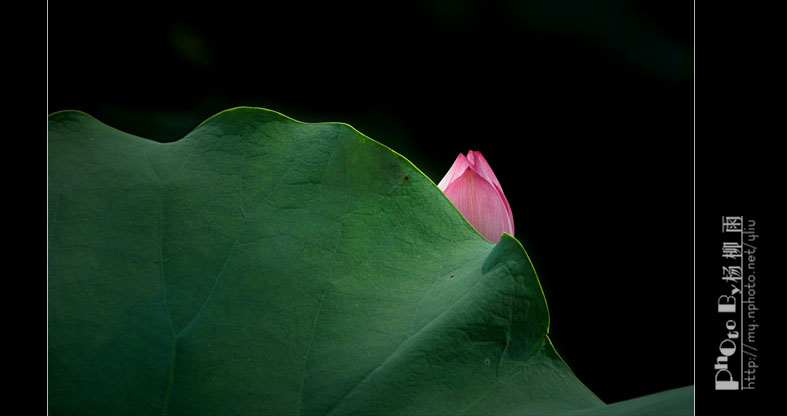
(473, 188)
(457, 169)
(478, 162)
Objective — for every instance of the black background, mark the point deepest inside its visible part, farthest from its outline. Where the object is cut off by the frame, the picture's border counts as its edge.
(584, 109)
(739, 171)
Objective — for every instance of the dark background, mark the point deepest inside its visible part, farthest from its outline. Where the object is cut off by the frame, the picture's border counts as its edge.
(584, 109)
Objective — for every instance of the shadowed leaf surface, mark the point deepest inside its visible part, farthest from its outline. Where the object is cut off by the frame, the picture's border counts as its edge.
(674, 402)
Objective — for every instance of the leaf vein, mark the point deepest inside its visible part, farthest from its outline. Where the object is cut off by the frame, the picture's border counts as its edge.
(314, 322)
(398, 349)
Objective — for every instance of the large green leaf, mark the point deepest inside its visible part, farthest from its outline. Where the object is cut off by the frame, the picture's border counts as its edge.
(261, 265)
(674, 402)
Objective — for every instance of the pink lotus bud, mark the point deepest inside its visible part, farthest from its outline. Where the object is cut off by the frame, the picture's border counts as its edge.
(472, 186)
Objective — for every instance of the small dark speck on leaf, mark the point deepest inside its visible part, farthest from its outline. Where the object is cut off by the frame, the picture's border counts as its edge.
(451, 276)
(406, 177)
